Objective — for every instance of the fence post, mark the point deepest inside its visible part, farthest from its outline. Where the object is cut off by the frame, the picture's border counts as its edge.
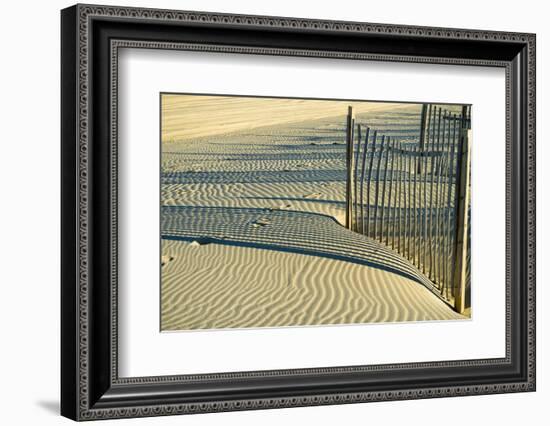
(462, 217)
(355, 221)
(423, 131)
(349, 164)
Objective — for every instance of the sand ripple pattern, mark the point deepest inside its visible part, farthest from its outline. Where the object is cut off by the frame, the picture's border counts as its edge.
(288, 231)
(232, 267)
(250, 232)
(218, 287)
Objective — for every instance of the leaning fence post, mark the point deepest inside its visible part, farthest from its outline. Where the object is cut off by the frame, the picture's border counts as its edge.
(349, 163)
(462, 217)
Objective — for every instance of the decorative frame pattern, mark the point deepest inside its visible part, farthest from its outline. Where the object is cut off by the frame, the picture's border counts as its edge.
(86, 406)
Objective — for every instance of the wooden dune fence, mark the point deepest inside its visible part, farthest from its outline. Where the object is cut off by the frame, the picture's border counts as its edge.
(413, 196)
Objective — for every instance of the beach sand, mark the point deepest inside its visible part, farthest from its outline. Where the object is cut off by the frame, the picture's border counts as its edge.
(185, 117)
(251, 226)
(216, 286)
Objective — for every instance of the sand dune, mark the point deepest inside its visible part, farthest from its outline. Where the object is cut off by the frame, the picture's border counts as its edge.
(298, 232)
(216, 286)
(250, 240)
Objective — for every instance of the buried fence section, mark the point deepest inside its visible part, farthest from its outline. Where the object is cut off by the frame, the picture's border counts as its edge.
(414, 196)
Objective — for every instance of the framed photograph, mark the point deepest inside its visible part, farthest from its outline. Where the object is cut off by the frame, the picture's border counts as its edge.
(263, 212)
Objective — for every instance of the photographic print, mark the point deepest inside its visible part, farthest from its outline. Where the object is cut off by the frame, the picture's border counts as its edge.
(296, 192)
(280, 212)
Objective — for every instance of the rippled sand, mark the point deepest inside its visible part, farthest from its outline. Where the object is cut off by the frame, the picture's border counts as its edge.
(217, 286)
(250, 232)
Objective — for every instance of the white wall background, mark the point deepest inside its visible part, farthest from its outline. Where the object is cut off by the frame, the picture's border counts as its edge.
(29, 214)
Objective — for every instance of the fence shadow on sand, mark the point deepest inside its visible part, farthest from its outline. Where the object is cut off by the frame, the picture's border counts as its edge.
(287, 231)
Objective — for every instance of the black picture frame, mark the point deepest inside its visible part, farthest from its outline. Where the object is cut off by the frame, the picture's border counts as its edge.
(90, 386)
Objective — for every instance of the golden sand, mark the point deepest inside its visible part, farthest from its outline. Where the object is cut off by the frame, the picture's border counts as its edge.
(185, 117)
(273, 168)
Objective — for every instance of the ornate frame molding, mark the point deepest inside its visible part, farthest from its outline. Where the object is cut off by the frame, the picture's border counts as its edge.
(82, 16)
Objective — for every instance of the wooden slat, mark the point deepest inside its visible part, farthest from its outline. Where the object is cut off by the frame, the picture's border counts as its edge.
(450, 210)
(439, 243)
(424, 114)
(416, 233)
(349, 167)
(430, 145)
(462, 216)
(383, 203)
(410, 228)
(435, 143)
(369, 181)
(363, 167)
(355, 173)
(377, 187)
(391, 199)
(447, 180)
(425, 192)
(400, 211)
(448, 232)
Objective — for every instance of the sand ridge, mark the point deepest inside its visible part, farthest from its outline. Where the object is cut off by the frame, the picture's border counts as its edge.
(214, 286)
